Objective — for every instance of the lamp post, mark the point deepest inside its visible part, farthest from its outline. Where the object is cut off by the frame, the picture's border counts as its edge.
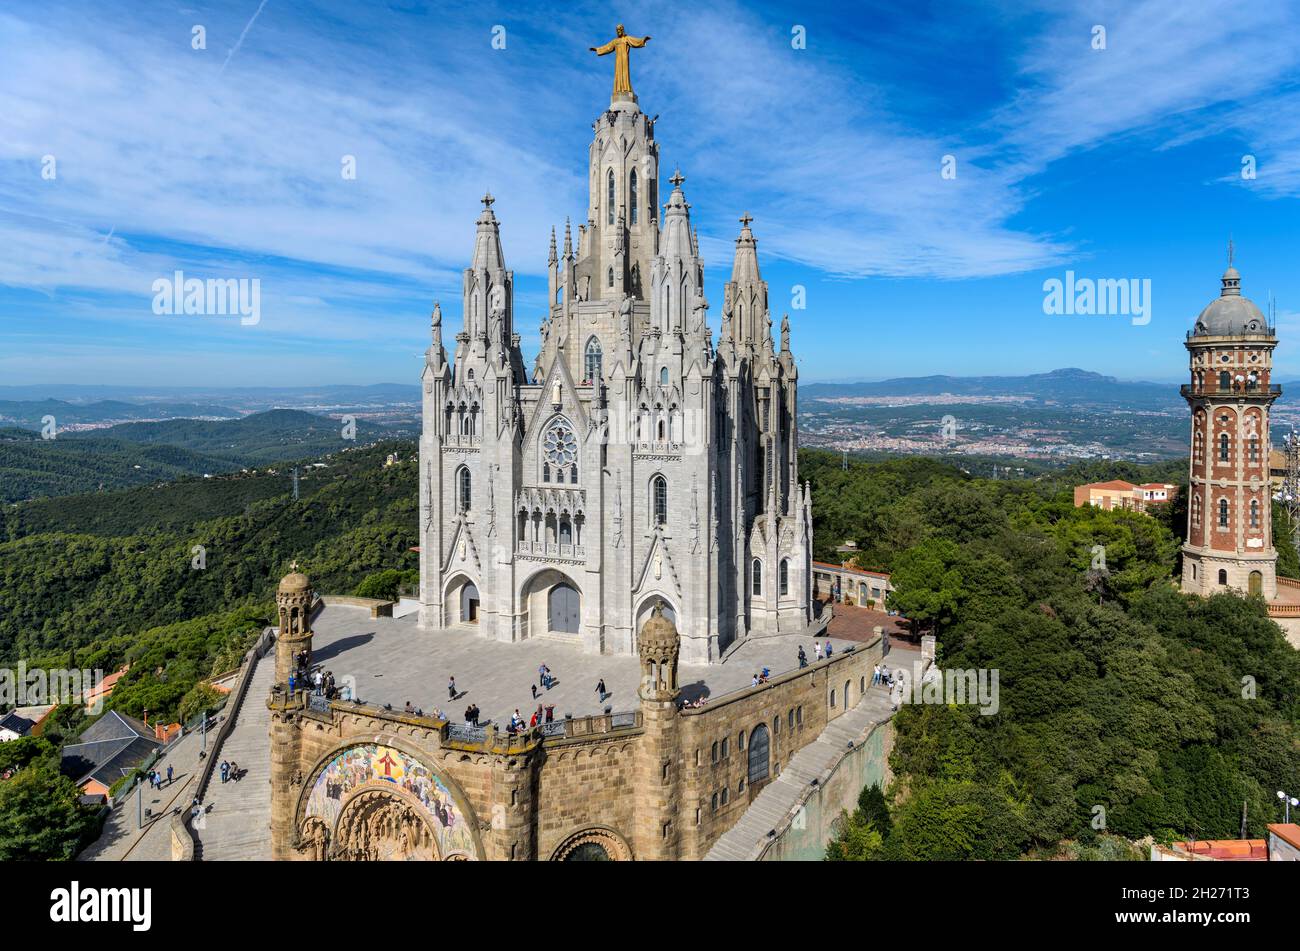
(1287, 802)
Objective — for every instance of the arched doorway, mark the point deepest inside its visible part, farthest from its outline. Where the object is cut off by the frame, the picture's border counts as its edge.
(564, 609)
(469, 603)
(759, 747)
(1256, 583)
(593, 845)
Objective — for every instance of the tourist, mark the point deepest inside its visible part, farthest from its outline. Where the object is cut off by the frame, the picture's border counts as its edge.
(803, 658)
(169, 775)
(600, 689)
(765, 676)
(541, 675)
(293, 682)
(875, 676)
(469, 715)
(451, 688)
(754, 682)
(225, 771)
(533, 688)
(532, 723)
(550, 714)
(410, 709)
(828, 649)
(316, 680)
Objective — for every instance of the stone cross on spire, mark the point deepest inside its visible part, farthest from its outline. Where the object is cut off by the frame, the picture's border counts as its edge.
(745, 219)
(677, 178)
(487, 200)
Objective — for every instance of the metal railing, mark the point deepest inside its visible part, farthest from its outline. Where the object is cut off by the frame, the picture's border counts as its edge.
(1245, 389)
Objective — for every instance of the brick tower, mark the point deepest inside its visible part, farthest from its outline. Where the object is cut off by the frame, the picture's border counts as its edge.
(1229, 506)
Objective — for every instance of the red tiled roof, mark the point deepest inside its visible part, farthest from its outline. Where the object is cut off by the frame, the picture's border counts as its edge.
(857, 571)
(1288, 832)
(1113, 484)
(1228, 850)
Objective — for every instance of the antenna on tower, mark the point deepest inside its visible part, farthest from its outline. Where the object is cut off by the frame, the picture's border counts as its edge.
(295, 483)
(845, 463)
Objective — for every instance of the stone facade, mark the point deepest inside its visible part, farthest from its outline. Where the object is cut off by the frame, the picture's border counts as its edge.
(1229, 506)
(641, 461)
(356, 782)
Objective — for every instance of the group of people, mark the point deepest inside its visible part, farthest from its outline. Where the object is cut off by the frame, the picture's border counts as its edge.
(882, 675)
(156, 778)
(230, 771)
(540, 715)
(820, 651)
(471, 715)
(766, 674)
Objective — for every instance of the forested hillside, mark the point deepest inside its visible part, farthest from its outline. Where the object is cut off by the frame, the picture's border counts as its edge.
(68, 584)
(133, 454)
(1119, 697)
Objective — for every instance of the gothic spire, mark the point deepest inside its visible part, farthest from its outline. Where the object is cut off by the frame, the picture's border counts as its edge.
(487, 240)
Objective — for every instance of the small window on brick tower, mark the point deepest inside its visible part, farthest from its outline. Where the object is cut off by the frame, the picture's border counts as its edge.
(1223, 447)
(1223, 513)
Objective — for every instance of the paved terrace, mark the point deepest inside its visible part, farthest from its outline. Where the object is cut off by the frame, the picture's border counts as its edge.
(392, 661)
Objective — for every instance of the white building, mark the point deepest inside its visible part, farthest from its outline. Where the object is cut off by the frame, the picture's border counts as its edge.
(640, 461)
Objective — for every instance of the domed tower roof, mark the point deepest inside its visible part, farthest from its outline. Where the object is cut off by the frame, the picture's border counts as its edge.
(295, 582)
(659, 632)
(1230, 314)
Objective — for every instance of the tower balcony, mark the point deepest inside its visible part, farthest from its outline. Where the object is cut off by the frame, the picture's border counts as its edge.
(1245, 390)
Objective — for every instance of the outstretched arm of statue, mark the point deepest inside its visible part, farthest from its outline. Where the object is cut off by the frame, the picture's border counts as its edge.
(607, 48)
(638, 41)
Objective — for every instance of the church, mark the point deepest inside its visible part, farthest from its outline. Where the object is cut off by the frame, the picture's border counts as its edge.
(639, 460)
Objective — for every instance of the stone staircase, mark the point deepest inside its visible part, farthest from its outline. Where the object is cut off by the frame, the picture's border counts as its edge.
(237, 823)
(780, 799)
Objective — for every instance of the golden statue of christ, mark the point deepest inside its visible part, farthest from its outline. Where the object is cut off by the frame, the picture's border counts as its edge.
(619, 46)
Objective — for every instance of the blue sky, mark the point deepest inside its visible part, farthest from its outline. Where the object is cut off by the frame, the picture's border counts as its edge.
(1123, 162)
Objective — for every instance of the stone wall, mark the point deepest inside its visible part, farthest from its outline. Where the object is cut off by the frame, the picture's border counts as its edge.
(794, 707)
(637, 785)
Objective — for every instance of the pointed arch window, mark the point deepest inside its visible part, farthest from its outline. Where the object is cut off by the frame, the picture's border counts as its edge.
(463, 485)
(610, 279)
(663, 376)
(659, 494)
(1223, 447)
(609, 213)
(756, 577)
(632, 195)
(1254, 513)
(593, 357)
(1223, 513)
(783, 577)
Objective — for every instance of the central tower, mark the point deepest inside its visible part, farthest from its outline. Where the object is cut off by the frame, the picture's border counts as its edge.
(1229, 506)
(638, 464)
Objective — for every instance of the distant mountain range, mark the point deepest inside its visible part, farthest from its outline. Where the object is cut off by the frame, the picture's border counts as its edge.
(30, 413)
(1068, 386)
(142, 453)
(266, 396)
